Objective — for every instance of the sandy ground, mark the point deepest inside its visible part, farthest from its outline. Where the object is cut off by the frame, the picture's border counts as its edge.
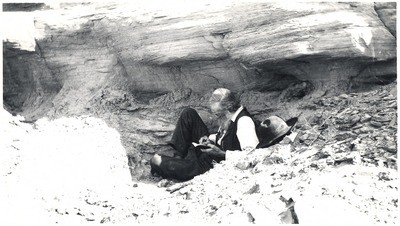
(75, 171)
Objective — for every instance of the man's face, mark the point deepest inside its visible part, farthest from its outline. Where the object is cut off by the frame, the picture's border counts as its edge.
(216, 109)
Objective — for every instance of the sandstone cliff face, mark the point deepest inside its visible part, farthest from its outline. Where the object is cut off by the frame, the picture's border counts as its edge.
(143, 62)
(387, 12)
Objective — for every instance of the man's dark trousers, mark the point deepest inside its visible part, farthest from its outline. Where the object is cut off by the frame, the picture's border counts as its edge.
(189, 128)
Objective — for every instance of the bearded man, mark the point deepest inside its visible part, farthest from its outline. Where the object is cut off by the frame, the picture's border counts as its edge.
(197, 149)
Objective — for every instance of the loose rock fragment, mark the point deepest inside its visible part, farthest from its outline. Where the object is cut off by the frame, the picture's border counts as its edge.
(255, 188)
(288, 216)
(376, 124)
(383, 176)
(250, 217)
(163, 183)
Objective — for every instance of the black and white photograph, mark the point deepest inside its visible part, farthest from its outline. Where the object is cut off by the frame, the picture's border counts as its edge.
(198, 112)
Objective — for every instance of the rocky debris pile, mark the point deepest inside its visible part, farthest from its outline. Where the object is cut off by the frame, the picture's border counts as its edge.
(250, 187)
(67, 170)
(108, 100)
(340, 161)
(354, 127)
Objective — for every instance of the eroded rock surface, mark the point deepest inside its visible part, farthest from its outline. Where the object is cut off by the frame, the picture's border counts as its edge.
(387, 12)
(144, 48)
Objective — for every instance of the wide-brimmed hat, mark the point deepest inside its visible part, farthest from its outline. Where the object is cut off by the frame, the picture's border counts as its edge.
(273, 128)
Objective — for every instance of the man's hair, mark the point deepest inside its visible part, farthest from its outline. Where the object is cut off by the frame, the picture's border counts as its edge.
(226, 98)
